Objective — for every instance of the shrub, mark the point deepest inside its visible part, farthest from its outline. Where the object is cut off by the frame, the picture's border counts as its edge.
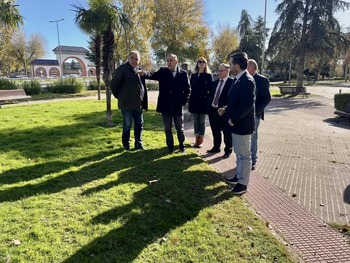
(341, 100)
(32, 87)
(7, 84)
(93, 85)
(152, 86)
(70, 85)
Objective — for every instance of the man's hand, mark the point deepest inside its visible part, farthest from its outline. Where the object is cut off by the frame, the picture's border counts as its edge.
(230, 123)
(221, 111)
(140, 72)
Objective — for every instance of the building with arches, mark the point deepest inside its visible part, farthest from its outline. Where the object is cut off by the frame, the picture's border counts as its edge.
(52, 67)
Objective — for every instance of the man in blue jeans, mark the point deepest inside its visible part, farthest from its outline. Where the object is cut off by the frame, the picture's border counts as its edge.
(130, 90)
(174, 92)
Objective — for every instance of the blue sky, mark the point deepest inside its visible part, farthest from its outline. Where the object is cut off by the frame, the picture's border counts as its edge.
(38, 13)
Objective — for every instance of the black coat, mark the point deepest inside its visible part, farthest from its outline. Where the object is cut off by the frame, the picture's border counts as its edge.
(262, 95)
(224, 93)
(200, 87)
(125, 86)
(173, 91)
(241, 105)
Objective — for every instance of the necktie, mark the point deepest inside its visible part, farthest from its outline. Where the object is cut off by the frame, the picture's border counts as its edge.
(217, 94)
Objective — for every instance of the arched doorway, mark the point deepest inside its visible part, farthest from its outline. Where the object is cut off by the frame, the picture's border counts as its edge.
(73, 66)
(40, 72)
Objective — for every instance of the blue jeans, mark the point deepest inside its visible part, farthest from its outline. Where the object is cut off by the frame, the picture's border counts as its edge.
(254, 139)
(241, 147)
(128, 116)
(179, 125)
(199, 123)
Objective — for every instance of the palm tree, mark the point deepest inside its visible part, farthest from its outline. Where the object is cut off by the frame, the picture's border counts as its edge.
(101, 20)
(298, 22)
(9, 15)
(88, 21)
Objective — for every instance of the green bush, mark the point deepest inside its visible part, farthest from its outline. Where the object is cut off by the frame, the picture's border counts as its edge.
(93, 85)
(7, 84)
(69, 85)
(31, 87)
(341, 100)
(152, 86)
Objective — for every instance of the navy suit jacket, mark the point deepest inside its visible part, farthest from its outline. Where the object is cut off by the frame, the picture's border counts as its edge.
(241, 105)
(224, 93)
(262, 95)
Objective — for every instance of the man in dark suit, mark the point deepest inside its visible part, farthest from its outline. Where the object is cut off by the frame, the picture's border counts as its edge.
(218, 98)
(174, 92)
(240, 114)
(262, 99)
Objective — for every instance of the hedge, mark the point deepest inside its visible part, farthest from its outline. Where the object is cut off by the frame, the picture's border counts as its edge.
(341, 100)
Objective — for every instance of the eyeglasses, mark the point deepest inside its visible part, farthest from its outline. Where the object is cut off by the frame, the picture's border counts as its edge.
(201, 61)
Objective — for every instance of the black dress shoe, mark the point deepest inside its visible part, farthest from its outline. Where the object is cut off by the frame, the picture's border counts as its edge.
(213, 150)
(253, 166)
(226, 155)
(140, 147)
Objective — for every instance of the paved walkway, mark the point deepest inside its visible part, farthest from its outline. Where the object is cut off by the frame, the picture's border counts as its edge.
(302, 181)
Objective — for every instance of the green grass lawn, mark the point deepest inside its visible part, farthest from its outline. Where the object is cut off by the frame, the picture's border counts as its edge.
(69, 193)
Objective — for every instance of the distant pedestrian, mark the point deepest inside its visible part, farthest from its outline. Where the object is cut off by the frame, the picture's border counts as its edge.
(130, 90)
(174, 92)
(201, 81)
(262, 99)
(218, 97)
(240, 113)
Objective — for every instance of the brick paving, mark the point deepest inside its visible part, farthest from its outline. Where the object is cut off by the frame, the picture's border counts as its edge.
(302, 180)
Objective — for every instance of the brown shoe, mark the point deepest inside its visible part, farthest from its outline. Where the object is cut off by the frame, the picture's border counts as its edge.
(200, 140)
(196, 144)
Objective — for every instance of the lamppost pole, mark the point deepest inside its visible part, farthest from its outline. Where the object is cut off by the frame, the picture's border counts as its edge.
(59, 44)
(264, 38)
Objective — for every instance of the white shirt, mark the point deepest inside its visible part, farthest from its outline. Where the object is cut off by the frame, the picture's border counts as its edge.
(217, 90)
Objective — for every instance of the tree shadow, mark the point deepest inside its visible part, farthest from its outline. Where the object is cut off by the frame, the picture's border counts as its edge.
(53, 142)
(32, 172)
(278, 105)
(101, 166)
(334, 122)
(176, 198)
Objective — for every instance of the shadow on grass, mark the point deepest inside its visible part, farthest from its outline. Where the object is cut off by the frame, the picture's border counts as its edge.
(177, 197)
(53, 142)
(32, 172)
(100, 167)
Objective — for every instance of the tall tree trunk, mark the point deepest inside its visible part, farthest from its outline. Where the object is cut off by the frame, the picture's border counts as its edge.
(108, 68)
(98, 40)
(302, 48)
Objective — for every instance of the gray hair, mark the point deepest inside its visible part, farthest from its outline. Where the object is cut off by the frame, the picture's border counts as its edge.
(227, 66)
(173, 56)
(135, 52)
(253, 62)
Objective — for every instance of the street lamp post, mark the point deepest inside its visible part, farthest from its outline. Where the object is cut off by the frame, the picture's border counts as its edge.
(264, 38)
(59, 44)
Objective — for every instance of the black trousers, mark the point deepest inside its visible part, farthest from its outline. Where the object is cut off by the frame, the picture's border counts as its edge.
(218, 127)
